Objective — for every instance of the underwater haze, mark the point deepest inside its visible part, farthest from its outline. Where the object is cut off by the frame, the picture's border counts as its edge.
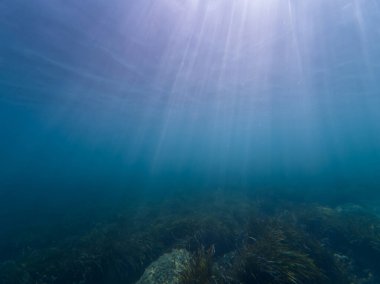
(108, 105)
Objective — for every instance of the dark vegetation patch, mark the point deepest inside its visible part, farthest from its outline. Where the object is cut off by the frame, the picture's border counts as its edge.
(232, 239)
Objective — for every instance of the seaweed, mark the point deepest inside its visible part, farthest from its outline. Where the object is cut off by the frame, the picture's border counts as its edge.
(200, 268)
(270, 257)
(234, 240)
(353, 235)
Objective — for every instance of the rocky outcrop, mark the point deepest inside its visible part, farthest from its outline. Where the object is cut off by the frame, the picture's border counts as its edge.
(167, 269)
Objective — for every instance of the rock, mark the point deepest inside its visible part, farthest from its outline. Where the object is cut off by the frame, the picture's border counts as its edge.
(167, 269)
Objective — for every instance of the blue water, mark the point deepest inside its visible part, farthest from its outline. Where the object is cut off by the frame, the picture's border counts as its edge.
(102, 101)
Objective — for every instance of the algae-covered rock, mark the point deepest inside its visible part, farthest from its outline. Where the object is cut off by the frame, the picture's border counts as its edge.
(169, 268)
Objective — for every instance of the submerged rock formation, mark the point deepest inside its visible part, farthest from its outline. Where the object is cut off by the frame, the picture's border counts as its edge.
(169, 268)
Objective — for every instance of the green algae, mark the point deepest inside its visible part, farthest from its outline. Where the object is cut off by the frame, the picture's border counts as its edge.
(245, 240)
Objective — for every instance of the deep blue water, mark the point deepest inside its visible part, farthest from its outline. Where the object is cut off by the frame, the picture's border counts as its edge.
(214, 91)
(109, 100)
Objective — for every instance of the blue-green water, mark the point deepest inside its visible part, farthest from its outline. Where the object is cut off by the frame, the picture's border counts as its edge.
(106, 106)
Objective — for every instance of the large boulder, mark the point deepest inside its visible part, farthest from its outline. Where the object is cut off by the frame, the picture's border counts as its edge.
(167, 269)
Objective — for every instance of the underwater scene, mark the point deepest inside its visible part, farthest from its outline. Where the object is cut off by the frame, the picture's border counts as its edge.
(189, 141)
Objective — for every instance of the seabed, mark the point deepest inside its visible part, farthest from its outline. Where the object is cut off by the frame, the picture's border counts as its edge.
(214, 237)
